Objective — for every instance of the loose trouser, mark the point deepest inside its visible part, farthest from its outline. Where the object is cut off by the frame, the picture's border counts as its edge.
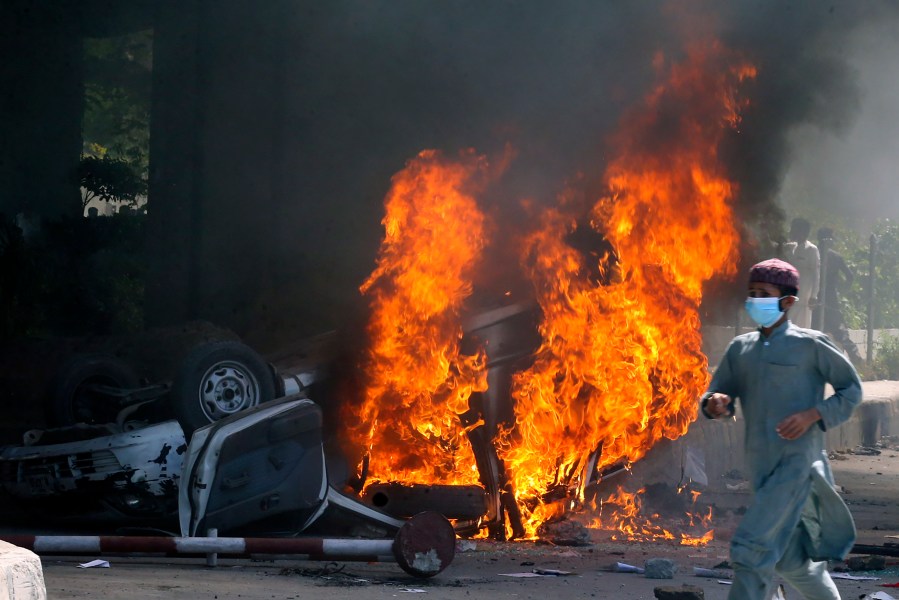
(770, 538)
(810, 578)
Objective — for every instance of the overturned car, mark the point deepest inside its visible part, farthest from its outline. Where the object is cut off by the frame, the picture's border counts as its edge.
(211, 449)
(261, 471)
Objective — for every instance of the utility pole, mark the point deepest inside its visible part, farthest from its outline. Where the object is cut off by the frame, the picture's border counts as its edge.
(872, 265)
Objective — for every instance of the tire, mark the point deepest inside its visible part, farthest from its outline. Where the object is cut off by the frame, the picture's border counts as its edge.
(72, 401)
(216, 380)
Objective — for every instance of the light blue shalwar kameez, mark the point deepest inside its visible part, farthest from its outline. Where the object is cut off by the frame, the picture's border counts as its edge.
(796, 521)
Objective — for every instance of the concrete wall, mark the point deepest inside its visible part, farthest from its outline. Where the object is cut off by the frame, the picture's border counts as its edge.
(719, 443)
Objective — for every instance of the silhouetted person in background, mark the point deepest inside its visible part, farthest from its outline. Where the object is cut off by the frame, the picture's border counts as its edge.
(803, 255)
(835, 274)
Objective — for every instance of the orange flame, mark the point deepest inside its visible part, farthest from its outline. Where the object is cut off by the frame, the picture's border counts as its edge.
(418, 381)
(621, 364)
(623, 513)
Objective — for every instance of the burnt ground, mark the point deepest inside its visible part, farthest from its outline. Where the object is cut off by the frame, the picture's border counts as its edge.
(870, 484)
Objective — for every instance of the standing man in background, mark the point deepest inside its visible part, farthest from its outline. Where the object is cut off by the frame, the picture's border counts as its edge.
(803, 255)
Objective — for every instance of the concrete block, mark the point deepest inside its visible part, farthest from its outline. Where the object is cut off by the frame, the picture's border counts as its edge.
(21, 574)
(659, 568)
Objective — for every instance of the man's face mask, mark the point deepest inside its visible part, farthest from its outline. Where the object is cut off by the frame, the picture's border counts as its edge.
(764, 311)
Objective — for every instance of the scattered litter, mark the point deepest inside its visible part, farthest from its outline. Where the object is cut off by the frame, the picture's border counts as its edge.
(555, 572)
(620, 567)
(413, 590)
(877, 596)
(701, 572)
(725, 582)
(866, 451)
(466, 546)
(539, 573)
(564, 532)
(866, 563)
(737, 487)
(527, 563)
(895, 585)
(104, 564)
(854, 577)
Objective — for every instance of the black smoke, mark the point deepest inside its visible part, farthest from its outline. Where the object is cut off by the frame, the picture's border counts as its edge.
(360, 86)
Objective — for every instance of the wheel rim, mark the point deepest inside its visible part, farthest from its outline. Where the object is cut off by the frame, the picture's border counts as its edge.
(226, 388)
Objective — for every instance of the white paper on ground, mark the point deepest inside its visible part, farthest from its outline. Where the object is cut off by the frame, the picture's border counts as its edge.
(94, 563)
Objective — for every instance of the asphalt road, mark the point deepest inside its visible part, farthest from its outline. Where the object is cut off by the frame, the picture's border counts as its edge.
(870, 484)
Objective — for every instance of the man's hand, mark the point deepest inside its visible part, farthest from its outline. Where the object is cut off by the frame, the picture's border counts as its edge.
(795, 425)
(718, 405)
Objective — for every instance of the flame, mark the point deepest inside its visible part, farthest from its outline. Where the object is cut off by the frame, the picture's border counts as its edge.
(623, 513)
(621, 364)
(688, 540)
(704, 522)
(418, 380)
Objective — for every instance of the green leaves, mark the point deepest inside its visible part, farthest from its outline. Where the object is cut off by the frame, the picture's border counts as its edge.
(110, 180)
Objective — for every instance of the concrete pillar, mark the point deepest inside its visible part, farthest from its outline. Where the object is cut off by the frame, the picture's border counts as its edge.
(41, 99)
(176, 166)
(215, 159)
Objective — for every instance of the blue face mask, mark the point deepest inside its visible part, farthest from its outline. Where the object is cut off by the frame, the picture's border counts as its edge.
(764, 311)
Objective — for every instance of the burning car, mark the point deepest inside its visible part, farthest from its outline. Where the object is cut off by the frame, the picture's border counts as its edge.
(600, 368)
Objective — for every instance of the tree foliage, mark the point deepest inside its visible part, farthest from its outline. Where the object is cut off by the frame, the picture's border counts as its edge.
(855, 248)
(110, 180)
(116, 120)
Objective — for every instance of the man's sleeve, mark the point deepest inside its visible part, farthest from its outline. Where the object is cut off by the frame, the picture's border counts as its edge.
(723, 381)
(842, 376)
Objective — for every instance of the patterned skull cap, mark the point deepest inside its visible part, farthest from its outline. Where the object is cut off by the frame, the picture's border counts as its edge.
(775, 272)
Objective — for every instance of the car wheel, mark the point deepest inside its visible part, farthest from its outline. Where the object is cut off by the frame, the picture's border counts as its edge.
(74, 397)
(219, 379)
